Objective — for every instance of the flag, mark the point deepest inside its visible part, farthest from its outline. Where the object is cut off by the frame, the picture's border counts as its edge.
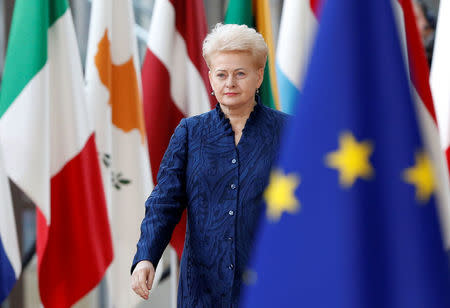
(50, 150)
(440, 76)
(351, 204)
(417, 66)
(10, 264)
(298, 25)
(115, 109)
(256, 14)
(297, 34)
(174, 78)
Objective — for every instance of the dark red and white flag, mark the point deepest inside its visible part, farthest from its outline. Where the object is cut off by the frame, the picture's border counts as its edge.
(174, 79)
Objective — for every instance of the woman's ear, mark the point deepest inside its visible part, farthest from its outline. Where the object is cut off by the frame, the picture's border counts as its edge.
(260, 74)
(210, 78)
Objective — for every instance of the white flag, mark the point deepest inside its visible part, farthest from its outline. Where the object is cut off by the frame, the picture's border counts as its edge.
(115, 109)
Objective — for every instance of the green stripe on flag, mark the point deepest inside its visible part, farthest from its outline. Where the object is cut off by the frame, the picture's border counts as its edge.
(57, 9)
(27, 46)
(27, 49)
(265, 91)
(241, 12)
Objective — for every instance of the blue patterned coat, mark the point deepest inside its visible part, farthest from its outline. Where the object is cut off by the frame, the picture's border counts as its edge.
(221, 186)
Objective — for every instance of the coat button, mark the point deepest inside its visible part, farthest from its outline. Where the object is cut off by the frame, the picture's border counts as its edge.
(230, 267)
(231, 213)
(233, 161)
(233, 186)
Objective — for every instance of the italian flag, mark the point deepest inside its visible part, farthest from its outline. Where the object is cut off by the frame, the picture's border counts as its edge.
(50, 150)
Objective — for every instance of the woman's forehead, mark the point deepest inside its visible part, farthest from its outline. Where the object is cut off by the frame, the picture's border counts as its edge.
(232, 60)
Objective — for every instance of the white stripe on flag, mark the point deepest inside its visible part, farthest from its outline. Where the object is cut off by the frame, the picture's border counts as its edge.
(118, 135)
(8, 231)
(186, 84)
(440, 73)
(158, 41)
(430, 135)
(297, 32)
(67, 94)
(27, 140)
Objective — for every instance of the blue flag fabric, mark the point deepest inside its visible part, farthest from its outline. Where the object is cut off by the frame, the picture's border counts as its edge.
(7, 275)
(351, 218)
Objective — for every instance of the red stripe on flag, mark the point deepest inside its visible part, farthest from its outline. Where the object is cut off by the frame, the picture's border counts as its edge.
(161, 114)
(75, 250)
(316, 5)
(447, 155)
(191, 24)
(161, 118)
(418, 65)
(178, 235)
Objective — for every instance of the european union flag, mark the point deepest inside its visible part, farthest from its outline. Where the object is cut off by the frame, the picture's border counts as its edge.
(351, 218)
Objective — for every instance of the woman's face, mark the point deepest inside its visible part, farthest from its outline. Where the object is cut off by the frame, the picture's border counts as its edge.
(234, 78)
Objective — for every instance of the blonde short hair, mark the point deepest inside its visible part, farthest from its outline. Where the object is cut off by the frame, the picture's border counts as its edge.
(233, 37)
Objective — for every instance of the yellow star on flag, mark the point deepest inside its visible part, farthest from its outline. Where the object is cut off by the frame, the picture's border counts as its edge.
(351, 159)
(280, 195)
(422, 177)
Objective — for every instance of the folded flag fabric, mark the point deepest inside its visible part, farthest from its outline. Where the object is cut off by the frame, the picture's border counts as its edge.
(10, 263)
(298, 25)
(114, 104)
(50, 150)
(440, 76)
(351, 206)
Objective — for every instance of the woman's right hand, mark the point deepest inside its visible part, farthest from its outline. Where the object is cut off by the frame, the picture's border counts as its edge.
(142, 278)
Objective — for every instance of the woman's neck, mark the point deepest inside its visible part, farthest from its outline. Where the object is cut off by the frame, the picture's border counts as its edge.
(238, 117)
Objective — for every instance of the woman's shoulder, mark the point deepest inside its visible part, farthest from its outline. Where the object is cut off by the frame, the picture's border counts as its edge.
(202, 119)
(275, 115)
(198, 123)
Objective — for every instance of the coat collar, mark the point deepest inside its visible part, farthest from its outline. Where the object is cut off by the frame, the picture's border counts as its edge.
(223, 123)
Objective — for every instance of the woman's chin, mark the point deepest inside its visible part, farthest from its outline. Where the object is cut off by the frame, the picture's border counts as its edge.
(234, 102)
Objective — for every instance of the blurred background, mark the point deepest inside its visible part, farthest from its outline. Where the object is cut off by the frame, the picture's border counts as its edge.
(25, 293)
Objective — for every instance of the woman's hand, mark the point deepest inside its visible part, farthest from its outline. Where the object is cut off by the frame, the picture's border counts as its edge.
(142, 278)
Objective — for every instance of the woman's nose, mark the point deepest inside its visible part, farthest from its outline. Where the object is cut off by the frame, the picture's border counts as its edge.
(230, 81)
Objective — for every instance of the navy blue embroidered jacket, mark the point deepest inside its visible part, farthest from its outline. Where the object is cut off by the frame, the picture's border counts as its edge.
(221, 186)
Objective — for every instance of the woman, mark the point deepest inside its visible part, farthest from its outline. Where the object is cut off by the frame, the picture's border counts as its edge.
(217, 166)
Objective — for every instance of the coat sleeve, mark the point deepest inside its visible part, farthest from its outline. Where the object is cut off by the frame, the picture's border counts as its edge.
(167, 201)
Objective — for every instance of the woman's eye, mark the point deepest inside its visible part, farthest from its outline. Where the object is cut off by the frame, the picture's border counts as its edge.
(240, 74)
(221, 75)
